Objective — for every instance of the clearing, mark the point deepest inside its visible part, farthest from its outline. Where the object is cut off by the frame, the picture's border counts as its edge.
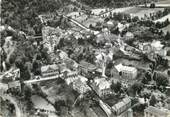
(141, 12)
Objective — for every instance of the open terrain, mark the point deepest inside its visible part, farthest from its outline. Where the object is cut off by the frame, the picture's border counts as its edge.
(141, 12)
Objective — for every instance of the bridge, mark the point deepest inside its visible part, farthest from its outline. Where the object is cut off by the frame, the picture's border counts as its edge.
(76, 22)
(50, 78)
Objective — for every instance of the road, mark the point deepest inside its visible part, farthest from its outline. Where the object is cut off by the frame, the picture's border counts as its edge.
(43, 79)
(4, 87)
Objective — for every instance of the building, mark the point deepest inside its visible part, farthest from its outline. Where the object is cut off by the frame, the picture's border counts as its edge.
(15, 84)
(145, 47)
(85, 67)
(129, 36)
(78, 83)
(156, 112)
(12, 75)
(126, 71)
(51, 37)
(123, 108)
(50, 70)
(102, 87)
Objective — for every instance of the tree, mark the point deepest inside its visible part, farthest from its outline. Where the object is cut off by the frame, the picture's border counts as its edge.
(37, 67)
(137, 87)
(167, 36)
(58, 105)
(115, 30)
(19, 64)
(166, 22)
(27, 93)
(153, 100)
(25, 74)
(116, 87)
(161, 80)
(135, 19)
(12, 58)
(152, 5)
(168, 53)
(168, 72)
(158, 25)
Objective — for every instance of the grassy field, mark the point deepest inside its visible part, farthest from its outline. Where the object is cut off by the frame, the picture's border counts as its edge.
(140, 12)
(162, 19)
(164, 1)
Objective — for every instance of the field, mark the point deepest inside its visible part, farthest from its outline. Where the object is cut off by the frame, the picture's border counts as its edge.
(87, 21)
(163, 18)
(164, 2)
(140, 12)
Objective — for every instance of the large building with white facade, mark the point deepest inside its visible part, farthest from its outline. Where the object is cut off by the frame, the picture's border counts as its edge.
(126, 71)
(102, 86)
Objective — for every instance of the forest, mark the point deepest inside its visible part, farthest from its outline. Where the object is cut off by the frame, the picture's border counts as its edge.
(22, 14)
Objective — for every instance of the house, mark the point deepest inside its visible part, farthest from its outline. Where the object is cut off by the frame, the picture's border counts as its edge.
(14, 84)
(102, 86)
(157, 47)
(13, 75)
(126, 71)
(156, 112)
(80, 85)
(123, 108)
(50, 70)
(129, 36)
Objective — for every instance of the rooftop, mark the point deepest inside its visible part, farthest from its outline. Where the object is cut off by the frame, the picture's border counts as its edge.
(156, 44)
(121, 67)
(87, 65)
(102, 83)
(49, 68)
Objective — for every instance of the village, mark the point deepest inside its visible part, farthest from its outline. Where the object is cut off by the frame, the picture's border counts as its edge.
(84, 62)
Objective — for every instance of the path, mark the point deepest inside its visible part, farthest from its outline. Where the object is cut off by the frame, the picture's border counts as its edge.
(4, 87)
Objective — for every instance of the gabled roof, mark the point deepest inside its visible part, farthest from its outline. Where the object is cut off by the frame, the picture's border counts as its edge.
(102, 83)
(121, 104)
(121, 67)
